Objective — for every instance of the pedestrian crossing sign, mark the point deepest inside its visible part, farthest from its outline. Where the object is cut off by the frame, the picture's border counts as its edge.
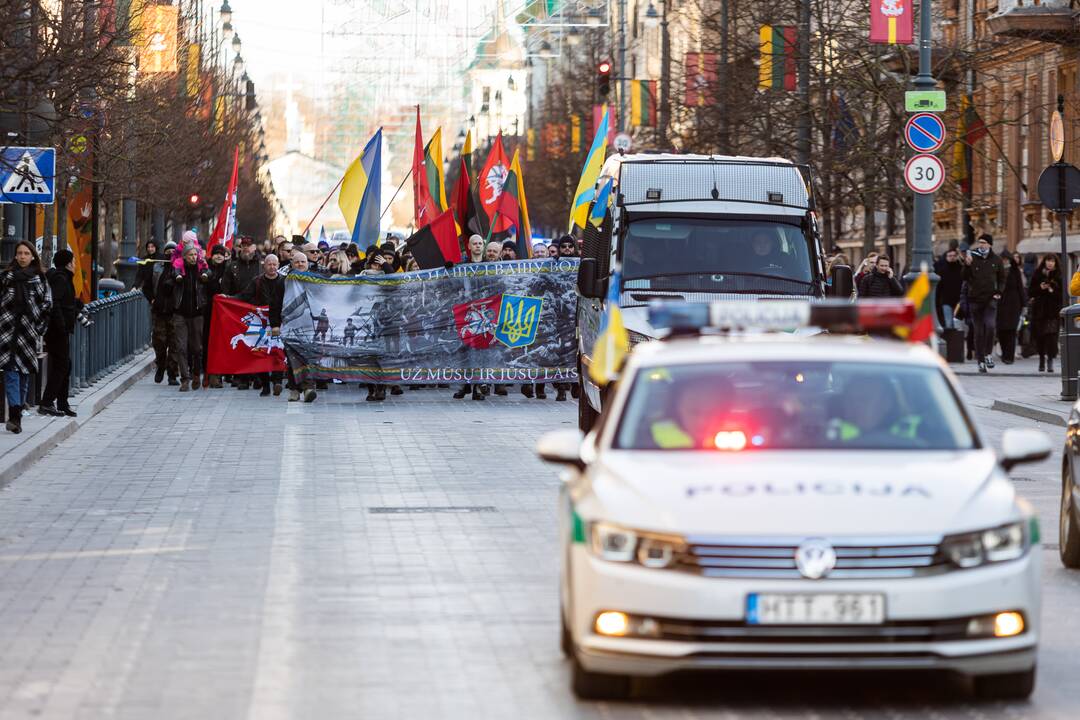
(28, 175)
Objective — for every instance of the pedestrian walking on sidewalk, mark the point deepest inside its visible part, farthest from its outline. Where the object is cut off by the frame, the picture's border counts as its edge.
(65, 311)
(985, 276)
(1045, 294)
(25, 304)
(1013, 299)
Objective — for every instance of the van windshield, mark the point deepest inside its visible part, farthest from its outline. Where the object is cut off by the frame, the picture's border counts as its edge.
(722, 255)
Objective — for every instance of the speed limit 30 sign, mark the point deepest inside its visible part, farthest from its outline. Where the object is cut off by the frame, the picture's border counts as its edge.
(924, 174)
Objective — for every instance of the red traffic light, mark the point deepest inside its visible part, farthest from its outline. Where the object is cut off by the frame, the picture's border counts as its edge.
(605, 67)
(194, 199)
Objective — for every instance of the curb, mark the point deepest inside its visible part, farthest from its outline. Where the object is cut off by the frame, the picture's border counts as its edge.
(1031, 413)
(992, 374)
(93, 400)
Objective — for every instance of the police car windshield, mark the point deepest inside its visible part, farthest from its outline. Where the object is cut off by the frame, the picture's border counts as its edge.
(726, 255)
(792, 405)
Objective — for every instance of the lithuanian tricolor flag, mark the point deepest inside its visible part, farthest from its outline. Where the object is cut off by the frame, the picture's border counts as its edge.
(777, 67)
(643, 103)
(433, 163)
(919, 294)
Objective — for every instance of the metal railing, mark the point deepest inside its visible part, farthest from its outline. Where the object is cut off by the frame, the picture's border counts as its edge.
(120, 329)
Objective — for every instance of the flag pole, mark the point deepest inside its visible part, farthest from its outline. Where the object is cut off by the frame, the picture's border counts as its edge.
(491, 228)
(407, 176)
(316, 215)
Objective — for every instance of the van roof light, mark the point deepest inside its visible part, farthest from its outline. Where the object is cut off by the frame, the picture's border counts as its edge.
(835, 316)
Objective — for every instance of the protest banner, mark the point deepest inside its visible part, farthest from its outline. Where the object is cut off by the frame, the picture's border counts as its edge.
(504, 322)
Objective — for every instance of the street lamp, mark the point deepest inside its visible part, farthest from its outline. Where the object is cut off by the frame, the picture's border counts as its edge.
(225, 13)
(510, 83)
(226, 31)
(238, 65)
(652, 17)
(236, 43)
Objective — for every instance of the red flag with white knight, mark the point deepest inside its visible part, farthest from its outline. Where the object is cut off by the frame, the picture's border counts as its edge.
(240, 340)
(491, 181)
(225, 228)
(477, 321)
(891, 22)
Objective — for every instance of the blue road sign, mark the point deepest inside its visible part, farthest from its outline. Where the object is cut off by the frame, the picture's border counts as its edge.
(28, 175)
(925, 132)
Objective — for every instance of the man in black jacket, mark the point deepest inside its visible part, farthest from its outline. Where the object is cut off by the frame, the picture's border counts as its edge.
(950, 270)
(880, 282)
(65, 309)
(186, 290)
(268, 290)
(213, 278)
(239, 273)
(985, 276)
(161, 312)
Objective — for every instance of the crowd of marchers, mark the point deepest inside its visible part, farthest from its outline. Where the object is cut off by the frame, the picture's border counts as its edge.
(1005, 299)
(180, 282)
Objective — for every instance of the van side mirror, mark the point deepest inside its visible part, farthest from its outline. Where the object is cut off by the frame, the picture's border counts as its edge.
(843, 281)
(587, 282)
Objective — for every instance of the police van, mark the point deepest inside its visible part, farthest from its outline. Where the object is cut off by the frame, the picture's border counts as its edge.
(698, 228)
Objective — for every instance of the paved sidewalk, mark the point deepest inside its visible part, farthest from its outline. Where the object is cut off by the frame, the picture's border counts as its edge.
(1018, 389)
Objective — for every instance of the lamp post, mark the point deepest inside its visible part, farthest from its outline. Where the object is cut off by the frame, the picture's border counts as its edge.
(922, 251)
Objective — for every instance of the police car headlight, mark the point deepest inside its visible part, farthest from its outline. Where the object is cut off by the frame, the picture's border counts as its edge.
(617, 544)
(613, 543)
(999, 544)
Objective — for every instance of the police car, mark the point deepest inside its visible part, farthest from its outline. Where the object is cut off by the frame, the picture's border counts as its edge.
(765, 501)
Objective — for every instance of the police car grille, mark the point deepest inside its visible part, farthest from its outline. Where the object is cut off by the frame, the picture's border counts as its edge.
(904, 631)
(863, 561)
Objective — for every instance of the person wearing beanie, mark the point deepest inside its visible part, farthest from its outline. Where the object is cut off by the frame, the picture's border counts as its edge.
(212, 277)
(162, 336)
(65, 309)
(187, 292)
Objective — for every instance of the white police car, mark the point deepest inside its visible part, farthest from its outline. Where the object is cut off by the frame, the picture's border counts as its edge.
(773, 502)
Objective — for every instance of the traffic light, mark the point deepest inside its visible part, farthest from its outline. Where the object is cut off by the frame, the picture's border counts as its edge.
(193, 200)
(603, 78)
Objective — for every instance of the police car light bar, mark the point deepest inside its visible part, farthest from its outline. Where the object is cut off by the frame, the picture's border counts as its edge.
(832, 315)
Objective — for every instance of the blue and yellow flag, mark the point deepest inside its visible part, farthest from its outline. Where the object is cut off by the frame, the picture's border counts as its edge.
(612, 343)
(586, 188)
(596, 216)
(361, 193)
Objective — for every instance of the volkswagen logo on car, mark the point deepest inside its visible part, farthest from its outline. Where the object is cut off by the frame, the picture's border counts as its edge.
(815, 558)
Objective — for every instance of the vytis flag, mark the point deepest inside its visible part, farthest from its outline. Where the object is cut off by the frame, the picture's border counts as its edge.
(433, 163)
(524, 228)
(491, 184)
(225, 229)
(919, 294)
(891, 22)
(424, 205)
(643, 103)
(241, 342)
(590, 173)
(777, 66)
(612, 343)
(360, 198)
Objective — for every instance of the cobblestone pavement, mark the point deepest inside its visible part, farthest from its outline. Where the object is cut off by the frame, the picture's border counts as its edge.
(221, 555)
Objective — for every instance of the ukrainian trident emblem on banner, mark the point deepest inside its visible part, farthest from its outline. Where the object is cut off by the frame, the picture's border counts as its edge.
(519, 318)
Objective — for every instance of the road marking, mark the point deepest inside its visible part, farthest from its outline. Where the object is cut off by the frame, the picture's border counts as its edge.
(86, 554)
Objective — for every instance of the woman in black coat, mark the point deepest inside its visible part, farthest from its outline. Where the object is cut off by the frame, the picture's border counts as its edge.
(25, 306)
(1045, 294)
(65, 310)
(1011, 304)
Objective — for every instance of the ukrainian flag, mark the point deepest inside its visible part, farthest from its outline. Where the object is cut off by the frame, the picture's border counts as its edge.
(586, 188)
(612, 343)
(361, 193)
(599, 210)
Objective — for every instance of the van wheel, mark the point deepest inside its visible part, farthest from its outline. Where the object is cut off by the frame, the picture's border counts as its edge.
(1068, 532)
(1006, 686)
(599, 686)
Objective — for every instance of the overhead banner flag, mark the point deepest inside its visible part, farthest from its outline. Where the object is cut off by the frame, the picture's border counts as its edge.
(776, 68)
(502, 322)
(891, 22)
(700, 78)
(241, 342)
(643, 103)
(157, 39)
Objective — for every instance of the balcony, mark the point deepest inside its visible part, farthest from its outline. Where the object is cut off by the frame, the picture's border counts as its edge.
(1046, 20)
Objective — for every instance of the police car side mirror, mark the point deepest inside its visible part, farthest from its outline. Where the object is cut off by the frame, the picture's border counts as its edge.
(843, 281)
(587, 282)
(562, 447)
(1020, 445)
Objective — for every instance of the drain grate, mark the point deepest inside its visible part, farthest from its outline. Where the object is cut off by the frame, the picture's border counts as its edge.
(424, 510)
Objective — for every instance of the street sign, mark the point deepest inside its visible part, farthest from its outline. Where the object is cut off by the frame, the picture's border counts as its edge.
(622, 142)
(924, 174)
(924, 101)
(1050, 187)
(1057, 136)
(925, 132)
(28, 175)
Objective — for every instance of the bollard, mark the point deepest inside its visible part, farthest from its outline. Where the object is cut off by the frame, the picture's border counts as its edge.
(1069, 340)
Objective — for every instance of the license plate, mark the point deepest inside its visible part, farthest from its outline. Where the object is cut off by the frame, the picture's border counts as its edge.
(815, 609)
